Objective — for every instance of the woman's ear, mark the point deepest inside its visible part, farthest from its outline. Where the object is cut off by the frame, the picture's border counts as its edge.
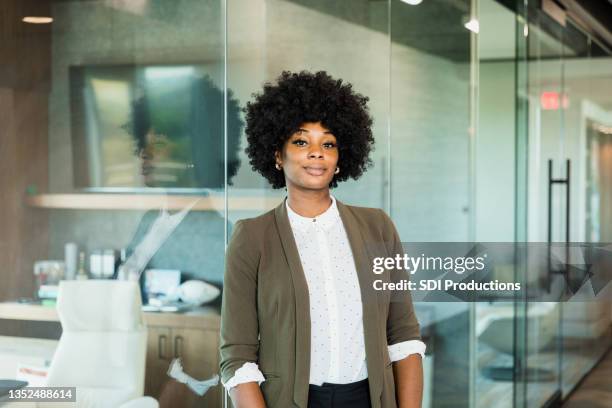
(278, 157)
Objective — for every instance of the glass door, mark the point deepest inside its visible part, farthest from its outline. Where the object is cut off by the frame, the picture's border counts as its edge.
(495, 196)
(561, 325)
(545, 184)
(431, 127)
(548, 188)
(586, 125)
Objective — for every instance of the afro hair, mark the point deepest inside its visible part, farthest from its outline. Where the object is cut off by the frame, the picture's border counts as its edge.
(297, 98)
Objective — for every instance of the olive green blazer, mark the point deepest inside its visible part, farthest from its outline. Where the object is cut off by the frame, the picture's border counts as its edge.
(265, 315)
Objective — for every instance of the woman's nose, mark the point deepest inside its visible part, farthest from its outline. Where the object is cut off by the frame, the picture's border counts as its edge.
(315, 153)
(145, 153)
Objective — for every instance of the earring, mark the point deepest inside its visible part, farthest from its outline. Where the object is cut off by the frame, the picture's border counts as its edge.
(337, 170)
(278, 167)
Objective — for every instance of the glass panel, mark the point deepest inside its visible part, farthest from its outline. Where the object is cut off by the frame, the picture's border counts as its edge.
(116, 115)
(495, 196)
(348, 40)
(586, 118)
(522, 195)
(559, 342)
(266, 38)
(541, 353)
(432, 78)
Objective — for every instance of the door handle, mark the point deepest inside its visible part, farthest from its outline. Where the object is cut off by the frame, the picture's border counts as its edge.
(178, 346)
(567, 183)
(161, 346)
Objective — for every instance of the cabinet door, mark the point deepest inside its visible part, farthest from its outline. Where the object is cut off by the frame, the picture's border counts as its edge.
(198, 350)
(159, 356)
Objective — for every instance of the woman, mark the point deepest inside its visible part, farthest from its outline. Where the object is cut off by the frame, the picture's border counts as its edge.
(301, 325)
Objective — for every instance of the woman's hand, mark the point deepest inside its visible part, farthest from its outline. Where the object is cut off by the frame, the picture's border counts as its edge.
(408, 374)
(247, 395)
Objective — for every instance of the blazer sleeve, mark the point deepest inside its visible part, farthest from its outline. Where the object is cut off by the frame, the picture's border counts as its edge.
(402, 324)
(239, 324)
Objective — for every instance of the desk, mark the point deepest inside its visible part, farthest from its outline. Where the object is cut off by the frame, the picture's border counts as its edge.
(192, 335)
(204, 317)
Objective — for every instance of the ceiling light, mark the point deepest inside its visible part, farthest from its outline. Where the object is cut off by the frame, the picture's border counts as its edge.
(473, 25)
(603, 129)
(37, 20)
(413, 2)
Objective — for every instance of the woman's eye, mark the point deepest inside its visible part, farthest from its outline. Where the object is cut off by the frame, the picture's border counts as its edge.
(329, 145)
(299, 142)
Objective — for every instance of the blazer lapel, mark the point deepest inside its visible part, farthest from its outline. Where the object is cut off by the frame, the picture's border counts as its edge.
(369, 299)
(302, 307)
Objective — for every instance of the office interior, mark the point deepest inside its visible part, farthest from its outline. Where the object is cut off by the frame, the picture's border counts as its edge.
(477, 104)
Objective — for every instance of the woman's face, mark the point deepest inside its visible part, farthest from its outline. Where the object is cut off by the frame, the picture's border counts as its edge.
(309, 157)
(156, 150)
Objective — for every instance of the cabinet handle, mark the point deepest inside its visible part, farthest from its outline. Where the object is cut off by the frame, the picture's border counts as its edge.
(161, 346)
(178, 346)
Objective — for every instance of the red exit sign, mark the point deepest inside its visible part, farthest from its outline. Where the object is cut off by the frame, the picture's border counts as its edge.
(553, 100)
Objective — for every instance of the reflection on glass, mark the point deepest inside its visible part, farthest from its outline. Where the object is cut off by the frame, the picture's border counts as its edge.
(599, 192)
(546, 142)
(429, 163)
(586, 116)
(137, 106)
(175, 122)
(495, 194)
(563, 103)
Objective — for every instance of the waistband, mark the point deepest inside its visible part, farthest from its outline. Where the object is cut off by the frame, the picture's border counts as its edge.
(350, 387)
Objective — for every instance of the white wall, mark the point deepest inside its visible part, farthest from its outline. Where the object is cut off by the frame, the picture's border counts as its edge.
(496, 154)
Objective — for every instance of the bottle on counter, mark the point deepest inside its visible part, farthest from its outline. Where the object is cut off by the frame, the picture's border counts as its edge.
(70, 260)
(81, 274)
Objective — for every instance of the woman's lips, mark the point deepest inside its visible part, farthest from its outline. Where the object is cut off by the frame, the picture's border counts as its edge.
(315, 171)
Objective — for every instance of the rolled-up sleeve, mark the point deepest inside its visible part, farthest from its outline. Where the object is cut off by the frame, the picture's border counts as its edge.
(402, 324)
(400, 351)
(239, 324)
(249, 372)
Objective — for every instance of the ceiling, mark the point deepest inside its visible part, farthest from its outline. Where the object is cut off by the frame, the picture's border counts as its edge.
(437, 27)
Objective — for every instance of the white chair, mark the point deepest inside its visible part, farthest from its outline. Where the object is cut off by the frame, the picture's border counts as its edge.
(495, 327)
(102, 349)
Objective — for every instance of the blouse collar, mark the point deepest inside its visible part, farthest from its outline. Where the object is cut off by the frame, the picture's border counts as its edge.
(325, 220)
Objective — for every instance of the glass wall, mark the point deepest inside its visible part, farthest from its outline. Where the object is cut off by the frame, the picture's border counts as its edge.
(349, 40)
(562, 82)
(495, 197)
(431, 106)
(122, 136)
(119, 149)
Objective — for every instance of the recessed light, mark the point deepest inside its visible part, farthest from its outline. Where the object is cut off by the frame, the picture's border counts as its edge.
(413, 2)
(37, 20)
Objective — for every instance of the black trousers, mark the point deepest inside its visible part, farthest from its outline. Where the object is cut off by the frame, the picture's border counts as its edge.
(353, 395)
